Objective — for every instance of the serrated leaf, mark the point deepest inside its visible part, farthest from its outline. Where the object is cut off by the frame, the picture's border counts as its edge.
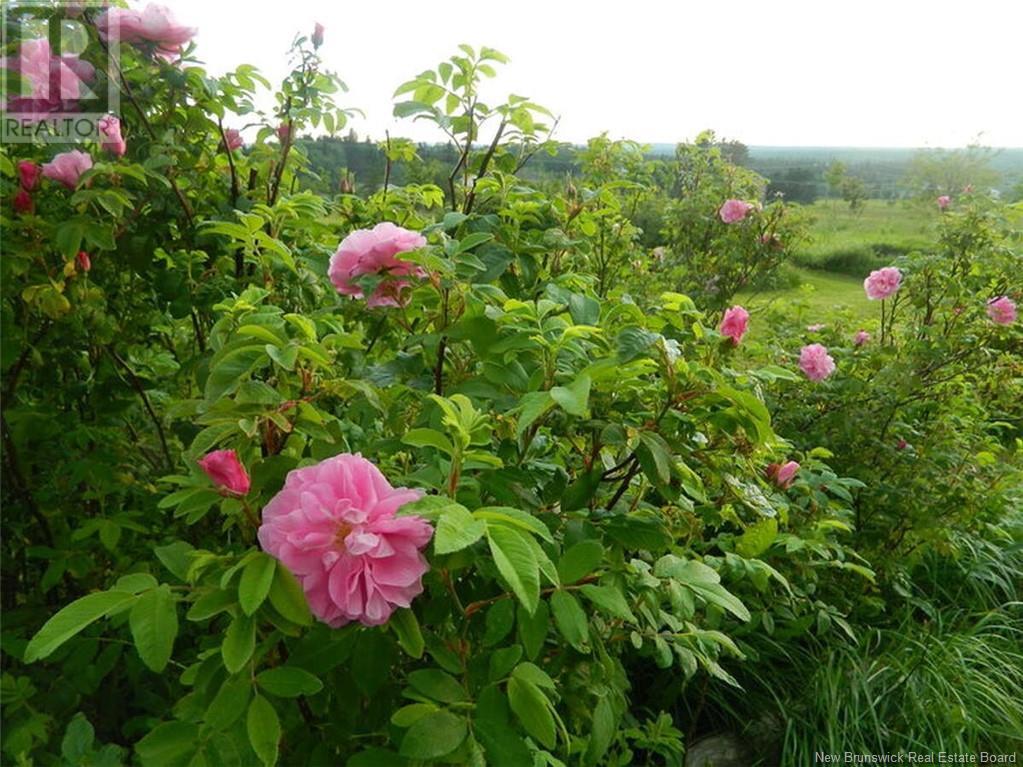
(257, 577)
(580, 560)
(239, 642)
(264, 729)
(72, 619)
(154, 627)
(571, 620)
(288, 599)
(516, 563)
(457, 529)
(532, 710)
(288, 682)
(434, 735)
(406, 627)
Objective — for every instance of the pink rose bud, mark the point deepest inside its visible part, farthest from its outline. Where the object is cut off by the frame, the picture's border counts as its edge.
(1001, 310)
(68, 167)
(226, 471)
(783, 475)
(233, 139)
(735, 324)
(734, 210)
(284, 132)
(944, 201)
(882, 283)
(110, 134)
(334, 525)
(861, 338)
(23, 202)
(902, 444)
(28, 175)
(815, 362)
(318, 35)
(83, 261)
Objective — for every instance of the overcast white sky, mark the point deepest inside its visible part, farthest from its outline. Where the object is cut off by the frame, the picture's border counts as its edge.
(767, 72)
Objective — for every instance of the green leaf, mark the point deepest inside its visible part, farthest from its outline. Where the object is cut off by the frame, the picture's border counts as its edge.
(210, 604)
(176, 557)
(499, 622)
(533, 711)
(78, 739)
(457, 529)
(288, 682)
(438, 685)
(154, 627)
(571, 620)
(655, 457)
(168, 745)
(609, 599)
(580, 560)
(515, 518)
(470, 241)
(230, 702)
(288, 599)
(757, 538)
(516, 563)
(533, 629)
(434, 736)
(428, 438)
(239, 642)
(533, 673)
(264, 730)
(716, 594)
(602, 733)
(72, 619)
(257, 578)
(406, 628)
(575, 397)
(231, 370)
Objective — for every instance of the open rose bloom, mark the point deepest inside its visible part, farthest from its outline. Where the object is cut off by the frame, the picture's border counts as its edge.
(375, 252)
(334, 526)
(155, 25)
(735, 324)
(49, 83)
(861, 338)
(815, 362)
(1001, 310)
(944, 201)
(734, 210)
(882, 283)
(67, 167)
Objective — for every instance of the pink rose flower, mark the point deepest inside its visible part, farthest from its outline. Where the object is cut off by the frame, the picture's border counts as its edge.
(233, 139)
(318, 35)
(110, 133)
(861, 338)
(734, 210)
(52, 83)
(334, 526)
(882, 283)
(815, 362)
(155, 24)
(226, 471)
(735, 324)
(901, 444)
(783, 475)
(375, 251)
(1002, 310)
(944, 201)
(284, 132)
(22, 201)
(68, 167)
(28, 175)
(83, 261)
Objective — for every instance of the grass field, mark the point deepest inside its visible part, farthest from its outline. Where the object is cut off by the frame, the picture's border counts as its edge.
(821, 294)
(855, 242)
